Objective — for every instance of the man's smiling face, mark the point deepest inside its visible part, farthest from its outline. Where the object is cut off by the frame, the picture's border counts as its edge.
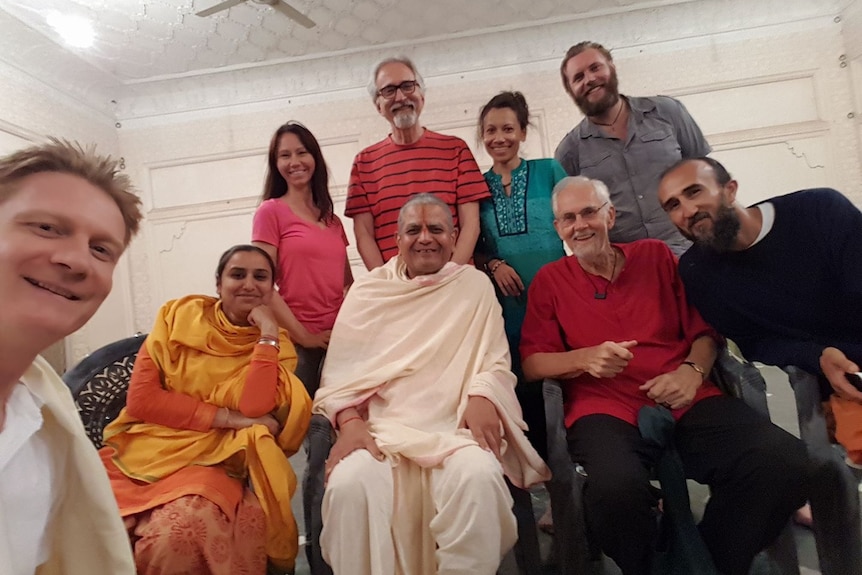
(592, 82)
(60, 240)
(426, 238)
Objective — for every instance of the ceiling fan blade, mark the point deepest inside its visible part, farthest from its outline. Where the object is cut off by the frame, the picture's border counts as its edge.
(294, 14)
(218, 8)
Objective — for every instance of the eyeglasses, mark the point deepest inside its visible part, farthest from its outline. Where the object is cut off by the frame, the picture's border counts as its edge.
(406, 87)
(587, 214)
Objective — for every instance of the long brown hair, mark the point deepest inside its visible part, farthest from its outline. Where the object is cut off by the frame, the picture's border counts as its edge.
(275, 186)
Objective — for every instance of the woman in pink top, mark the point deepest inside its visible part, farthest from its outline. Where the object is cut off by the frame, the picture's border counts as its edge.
(295, 224)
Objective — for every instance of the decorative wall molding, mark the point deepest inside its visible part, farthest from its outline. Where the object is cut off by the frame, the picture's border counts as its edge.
(538, 47)
(690, 50)
(783, 132)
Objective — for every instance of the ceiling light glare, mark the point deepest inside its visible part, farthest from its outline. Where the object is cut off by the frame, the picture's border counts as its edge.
(75, 30)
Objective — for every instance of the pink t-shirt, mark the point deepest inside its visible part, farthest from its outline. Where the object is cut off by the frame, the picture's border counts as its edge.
(311, 262)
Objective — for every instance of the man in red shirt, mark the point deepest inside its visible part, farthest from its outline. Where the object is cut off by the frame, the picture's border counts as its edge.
(410, 160)
(612, 322)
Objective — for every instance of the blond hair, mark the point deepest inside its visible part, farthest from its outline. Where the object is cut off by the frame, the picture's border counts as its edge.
(66, 157)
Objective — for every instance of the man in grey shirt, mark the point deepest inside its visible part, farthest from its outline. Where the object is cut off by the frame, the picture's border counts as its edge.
(625, 142)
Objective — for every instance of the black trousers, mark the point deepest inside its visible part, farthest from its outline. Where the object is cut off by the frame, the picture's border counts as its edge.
(308, 367)
(532, 402)
(757, 472)
(309, 361)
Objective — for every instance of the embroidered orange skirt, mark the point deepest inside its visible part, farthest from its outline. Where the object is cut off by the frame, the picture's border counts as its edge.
(198, 521)
(191, 535)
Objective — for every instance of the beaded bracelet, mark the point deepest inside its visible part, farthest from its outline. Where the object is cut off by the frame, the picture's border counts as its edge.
(493, 268)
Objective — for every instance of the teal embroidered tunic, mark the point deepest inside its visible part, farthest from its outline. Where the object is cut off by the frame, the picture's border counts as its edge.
(520, 229)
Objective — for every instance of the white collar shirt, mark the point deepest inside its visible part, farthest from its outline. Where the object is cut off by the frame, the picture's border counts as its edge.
(28, 483)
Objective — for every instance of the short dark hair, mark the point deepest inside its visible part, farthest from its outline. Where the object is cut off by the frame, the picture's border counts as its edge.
(275, 186)
(225, 258)
(66, 157)
(574, 51)
(515, 101)
(722, 176)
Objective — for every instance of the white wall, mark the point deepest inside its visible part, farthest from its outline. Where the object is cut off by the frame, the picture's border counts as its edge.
(30, 110)
(852, 60)
(772, 99)
(763, 79)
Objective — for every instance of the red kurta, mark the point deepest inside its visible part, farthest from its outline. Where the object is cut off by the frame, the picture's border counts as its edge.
(645, 303)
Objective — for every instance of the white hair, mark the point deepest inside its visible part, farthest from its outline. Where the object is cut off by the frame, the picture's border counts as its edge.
(372, 85)
(598, 186)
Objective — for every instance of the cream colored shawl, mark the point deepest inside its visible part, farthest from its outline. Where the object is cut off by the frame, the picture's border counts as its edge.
(88, 537)
(410, 352)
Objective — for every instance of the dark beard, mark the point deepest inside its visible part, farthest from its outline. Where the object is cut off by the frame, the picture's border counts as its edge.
(612, 96)
(725, 227)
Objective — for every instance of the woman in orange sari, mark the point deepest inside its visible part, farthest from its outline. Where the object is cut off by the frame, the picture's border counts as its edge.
(198, 458)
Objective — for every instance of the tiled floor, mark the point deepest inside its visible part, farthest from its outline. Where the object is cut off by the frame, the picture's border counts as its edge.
(783, 409)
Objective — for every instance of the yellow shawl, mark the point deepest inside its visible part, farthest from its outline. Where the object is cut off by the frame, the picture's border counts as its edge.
(202, 354)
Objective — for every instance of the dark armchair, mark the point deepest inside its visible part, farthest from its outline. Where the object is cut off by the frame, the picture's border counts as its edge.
(100, 382)
(575, 553)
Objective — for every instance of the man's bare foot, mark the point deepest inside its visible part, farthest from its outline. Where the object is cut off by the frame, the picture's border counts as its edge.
(802, 516)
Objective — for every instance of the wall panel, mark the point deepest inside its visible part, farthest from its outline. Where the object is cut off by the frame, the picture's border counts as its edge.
(772, 99)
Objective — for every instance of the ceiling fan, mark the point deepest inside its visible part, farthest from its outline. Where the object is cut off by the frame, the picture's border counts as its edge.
(279, 5)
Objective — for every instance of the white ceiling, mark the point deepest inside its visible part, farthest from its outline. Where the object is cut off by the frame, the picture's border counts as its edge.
(155, 57)
(142, 40)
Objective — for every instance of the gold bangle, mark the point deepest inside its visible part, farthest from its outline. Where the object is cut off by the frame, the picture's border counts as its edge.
(696, 367)
(269, 341)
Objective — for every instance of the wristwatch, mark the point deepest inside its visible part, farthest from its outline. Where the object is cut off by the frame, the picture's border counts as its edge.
(695, 367)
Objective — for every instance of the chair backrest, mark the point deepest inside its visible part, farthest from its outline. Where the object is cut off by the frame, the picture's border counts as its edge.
(99, 384)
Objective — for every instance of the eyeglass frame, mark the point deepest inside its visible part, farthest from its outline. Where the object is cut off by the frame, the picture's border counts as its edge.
(587, 217)
(395, 87)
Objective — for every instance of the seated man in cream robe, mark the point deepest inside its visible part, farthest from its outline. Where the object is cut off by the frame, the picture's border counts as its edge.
(418, 385)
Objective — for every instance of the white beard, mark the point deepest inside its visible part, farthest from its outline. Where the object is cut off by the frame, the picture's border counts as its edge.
(586, 251)
(406, 119)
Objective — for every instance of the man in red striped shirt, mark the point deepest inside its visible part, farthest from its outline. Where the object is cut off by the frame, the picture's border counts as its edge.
(411, 160)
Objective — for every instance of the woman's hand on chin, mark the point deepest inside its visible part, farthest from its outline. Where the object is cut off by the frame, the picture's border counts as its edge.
(262, 317)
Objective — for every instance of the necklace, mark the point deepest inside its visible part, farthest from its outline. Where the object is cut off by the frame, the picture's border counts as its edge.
(617, 117)
(604, 294)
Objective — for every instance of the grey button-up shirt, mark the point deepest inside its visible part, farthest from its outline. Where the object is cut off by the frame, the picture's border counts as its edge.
(660, 132)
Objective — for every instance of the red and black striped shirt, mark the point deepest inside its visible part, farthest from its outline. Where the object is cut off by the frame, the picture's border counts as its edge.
(384, 176)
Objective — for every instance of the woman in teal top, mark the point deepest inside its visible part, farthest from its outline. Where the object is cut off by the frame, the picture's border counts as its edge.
(518, 235)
